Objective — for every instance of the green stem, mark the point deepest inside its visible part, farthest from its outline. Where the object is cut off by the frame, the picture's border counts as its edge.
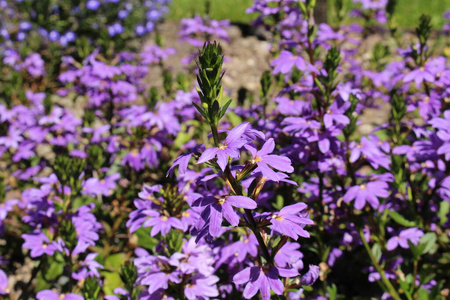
(215, 134)
(392, 291)
(238, 191)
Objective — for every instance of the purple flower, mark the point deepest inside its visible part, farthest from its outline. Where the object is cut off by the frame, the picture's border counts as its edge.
(6, 207)
(93, 4)
(105, 187)
(51, 295)
(371, 147)
(372, 4)
(287, 61)
(311, 276)
(263, 160)
(40, 244)
(3, 283)
(290, 221)
(34, 64)
(289, 255)
(86, 227)
(222, 207)
(418, 76)
(368, 192)
(162, 224)
(336, 114)
(264, 279)
(239, 250)
(227, 148)
(201, 287)
(411, 234)
(159, 280)
(25, 26)
(182, 161)
(89, 267)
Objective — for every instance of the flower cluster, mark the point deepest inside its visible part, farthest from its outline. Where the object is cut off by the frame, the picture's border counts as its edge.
(117, 186)
(88, 21)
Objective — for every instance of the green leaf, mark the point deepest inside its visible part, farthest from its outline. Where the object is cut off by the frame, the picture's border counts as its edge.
(224, 109)
(405, 287)
(182, 137)
(400, 219)
(200, 110)
(332, 292)
(115, 261)
(145, 240)
(279, 202)
(175, 240)
(416, 250)
(376, 251)
(422, 294)
(111, 282)
(428, 241)
(444, 209)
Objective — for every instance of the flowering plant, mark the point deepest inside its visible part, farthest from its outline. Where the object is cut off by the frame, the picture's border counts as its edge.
(113, 187)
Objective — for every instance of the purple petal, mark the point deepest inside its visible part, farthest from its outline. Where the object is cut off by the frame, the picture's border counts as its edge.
(222, 159)
(242, 277)
(267, 148)
(328, 120)
(356, 153)
(236, 133)
(215, 220)
(274, 282)
(265, 287)
(241, 202)
(229, 214)
(73, 297)
(207, 155)
(287, 272)
(360, 201)
(281, 163)
(392, 243)
(47, 295)
(250, 290)
(293, 209)
(324, 145)
(351, 193)
(267, 172)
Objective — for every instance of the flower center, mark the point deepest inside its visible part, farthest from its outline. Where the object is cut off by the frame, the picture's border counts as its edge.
(256, 160)
(277, 217)
(186, 214)
(222, 147)
(421, 69)
(164, 218)
(221, 201)
(362, 187)
(266, 268)
(62, 296)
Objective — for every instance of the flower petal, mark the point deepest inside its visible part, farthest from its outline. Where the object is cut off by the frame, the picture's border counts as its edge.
(242, 202)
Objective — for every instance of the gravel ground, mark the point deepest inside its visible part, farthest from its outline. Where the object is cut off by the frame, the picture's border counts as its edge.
(247, 57)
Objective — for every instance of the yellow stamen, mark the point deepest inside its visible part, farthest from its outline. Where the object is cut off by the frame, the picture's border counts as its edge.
(277, 217)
